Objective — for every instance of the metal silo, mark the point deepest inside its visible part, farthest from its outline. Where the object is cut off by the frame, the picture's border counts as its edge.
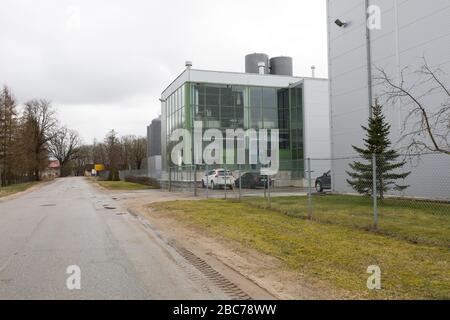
(252, 61)
(281, 66)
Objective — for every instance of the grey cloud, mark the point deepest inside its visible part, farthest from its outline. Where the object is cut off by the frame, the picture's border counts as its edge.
(122, 54)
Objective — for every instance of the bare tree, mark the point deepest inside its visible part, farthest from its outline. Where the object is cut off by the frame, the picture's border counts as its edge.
(8, 130)
(134, 151)
(83, 159)
(138, 151)
(112, 148)
(64, 146)
(38, 129)
(426, 128)
(126, 146)
(99, 153)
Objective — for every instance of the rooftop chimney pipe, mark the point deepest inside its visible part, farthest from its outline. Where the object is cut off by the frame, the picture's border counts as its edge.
(262, 67)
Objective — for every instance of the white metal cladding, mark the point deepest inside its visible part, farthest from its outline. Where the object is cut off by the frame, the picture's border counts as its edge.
(316, 125)
(233, 78)
(410, 29)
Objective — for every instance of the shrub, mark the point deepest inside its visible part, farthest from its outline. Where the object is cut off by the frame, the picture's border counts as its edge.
(113, 175)
(147, 181)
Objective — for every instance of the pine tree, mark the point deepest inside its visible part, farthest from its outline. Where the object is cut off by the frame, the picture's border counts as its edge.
(377, 142)
(8, 126)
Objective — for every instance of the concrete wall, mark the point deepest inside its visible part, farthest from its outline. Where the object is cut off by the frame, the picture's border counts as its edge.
(316, 125)
(409, 30)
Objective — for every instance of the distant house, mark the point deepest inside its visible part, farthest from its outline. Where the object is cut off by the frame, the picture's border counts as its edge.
(53, 170)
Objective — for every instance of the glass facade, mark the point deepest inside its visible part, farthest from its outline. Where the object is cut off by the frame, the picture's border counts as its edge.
(228, 106)
(176, 110)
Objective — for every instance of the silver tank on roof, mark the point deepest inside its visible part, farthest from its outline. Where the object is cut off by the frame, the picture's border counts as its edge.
(252, 61)
(281, 66)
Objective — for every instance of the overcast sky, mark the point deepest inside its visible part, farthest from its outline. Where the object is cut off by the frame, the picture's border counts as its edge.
(104, 63)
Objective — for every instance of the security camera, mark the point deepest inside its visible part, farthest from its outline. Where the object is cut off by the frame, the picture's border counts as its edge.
(341, 24)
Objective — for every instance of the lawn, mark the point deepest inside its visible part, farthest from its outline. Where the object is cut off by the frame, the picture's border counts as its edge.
(415, 221)
(5, 191)
(122, 185)
(335, 253)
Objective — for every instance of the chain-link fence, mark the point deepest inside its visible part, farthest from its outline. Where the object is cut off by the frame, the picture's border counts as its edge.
(369, 192)
(132, 173)
(406, 197)
(209, 181)
(11, 180)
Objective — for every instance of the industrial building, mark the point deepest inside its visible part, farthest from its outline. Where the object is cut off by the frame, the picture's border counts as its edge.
(366, 37)
(265, 96)
(154, 148)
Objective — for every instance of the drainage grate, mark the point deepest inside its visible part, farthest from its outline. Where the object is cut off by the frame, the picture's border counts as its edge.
(48, 205)
(219, 280)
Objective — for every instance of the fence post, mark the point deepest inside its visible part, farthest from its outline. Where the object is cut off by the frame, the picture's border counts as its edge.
(240, 185)
(225, 186)
(195, 180)
(265, 186)
(309, 190)
(207, 182)
(268, 191)
(374, 181)
(170, 178)
(188, 177)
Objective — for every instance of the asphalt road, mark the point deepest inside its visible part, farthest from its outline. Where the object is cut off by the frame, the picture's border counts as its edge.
(71, 222)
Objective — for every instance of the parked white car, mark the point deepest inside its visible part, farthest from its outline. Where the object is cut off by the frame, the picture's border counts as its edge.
(218, 178)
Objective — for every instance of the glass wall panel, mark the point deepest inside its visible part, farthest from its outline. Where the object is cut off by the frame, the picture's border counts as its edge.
(226, 97)
(212, 100)
(255, 117)
(238, 96)
(241, 106)
(270, 118)
(255, 97)
(296, 122)
(269, 98)
(239, 114)
(228, 106)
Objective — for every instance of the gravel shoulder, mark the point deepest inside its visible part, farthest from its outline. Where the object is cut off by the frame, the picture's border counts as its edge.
(244, 265)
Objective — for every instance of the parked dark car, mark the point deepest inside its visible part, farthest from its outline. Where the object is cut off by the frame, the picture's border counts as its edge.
(252, 180)
(323, 182)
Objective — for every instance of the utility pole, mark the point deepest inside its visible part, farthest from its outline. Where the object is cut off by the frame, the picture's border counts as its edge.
(374, 187)
(309, 190)
(369, 59)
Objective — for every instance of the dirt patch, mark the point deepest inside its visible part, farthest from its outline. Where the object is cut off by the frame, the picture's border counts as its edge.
(30, 189)
(265, 271)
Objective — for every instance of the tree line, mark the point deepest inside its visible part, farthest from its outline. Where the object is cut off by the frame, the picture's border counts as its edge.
(128, 152)
(33, 136)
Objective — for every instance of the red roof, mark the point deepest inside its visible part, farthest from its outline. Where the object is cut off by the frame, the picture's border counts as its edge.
(54, 164)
